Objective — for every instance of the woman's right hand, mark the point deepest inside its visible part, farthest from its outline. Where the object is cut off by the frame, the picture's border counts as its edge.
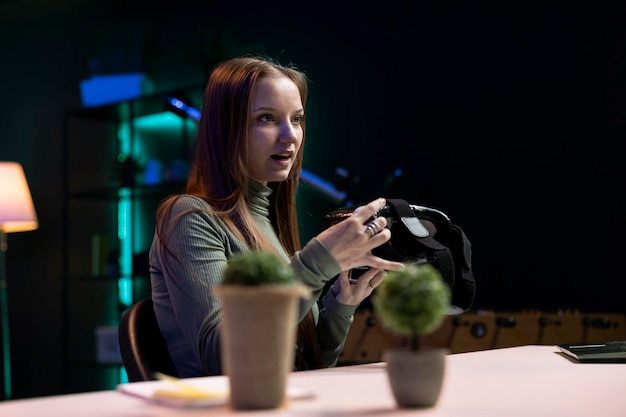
(351, 241)
(353, 291)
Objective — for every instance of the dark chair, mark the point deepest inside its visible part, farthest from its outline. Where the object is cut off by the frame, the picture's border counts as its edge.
(142, 346)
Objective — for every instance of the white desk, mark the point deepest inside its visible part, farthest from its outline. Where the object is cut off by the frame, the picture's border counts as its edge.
(520, 381)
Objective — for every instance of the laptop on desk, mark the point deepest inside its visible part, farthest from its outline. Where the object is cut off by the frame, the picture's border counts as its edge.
(599, 352)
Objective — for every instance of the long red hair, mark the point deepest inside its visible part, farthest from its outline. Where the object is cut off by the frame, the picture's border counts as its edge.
(219, 172)
(220, 175)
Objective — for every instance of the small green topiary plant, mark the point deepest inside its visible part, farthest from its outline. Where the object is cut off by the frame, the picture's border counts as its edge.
(412, 302)
(258, 268)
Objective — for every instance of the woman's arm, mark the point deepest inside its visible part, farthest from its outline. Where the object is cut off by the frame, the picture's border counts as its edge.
(202, 245)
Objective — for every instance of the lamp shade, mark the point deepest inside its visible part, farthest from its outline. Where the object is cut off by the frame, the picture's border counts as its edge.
(17, 212)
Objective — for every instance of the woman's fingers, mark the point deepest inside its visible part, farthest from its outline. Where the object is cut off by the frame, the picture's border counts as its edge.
(380, 263)
(363, 213)
(351, 241)
(377, 278)
(371, 278)
(354, 291)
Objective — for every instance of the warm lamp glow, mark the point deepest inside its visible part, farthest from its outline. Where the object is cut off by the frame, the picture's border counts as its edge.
(17, 212)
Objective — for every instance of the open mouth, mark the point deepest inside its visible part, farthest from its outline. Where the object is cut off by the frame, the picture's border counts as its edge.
(281, 156)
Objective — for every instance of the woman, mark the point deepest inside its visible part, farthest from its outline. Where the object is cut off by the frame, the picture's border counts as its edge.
(241, 196)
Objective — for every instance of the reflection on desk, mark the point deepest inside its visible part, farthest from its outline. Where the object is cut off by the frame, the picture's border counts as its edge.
(518, 381)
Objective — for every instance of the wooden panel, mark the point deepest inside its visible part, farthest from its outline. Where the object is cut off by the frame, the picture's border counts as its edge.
(367, 339)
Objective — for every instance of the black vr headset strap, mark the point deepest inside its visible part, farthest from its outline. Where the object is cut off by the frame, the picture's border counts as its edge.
(465, 290)
(414, 229)
(407, 217)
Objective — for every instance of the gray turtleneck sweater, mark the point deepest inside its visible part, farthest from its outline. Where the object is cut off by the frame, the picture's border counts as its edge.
(187, 308)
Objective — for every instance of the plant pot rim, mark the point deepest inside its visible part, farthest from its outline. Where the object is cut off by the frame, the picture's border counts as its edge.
(425, 349)
(296, 289)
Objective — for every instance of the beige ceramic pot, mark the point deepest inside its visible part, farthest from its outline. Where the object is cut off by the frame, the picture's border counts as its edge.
(416, 378)
(258, 340)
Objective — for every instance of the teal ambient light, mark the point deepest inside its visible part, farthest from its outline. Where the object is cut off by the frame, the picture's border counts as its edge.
(141, 142)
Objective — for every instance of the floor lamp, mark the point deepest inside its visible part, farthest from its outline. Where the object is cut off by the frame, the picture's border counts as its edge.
(17, 214)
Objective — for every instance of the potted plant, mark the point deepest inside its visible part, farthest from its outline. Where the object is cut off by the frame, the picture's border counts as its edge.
(413, 302)
(260, 297)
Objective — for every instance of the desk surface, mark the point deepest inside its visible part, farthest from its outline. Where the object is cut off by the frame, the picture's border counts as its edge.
(519, 381)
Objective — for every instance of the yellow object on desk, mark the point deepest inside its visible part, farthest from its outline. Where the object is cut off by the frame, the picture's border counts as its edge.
(192, 392)
(183, 391)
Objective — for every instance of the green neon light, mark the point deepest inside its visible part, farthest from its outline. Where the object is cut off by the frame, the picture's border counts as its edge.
(124, 235)
(141, 139)
(123, 376)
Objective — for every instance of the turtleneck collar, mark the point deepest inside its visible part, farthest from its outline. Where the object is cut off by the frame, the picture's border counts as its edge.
(258, 199)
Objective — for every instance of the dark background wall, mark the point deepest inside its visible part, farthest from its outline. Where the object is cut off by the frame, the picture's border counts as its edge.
(510, 118)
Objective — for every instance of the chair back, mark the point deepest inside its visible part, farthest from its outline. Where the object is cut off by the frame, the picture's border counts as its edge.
(142, 345)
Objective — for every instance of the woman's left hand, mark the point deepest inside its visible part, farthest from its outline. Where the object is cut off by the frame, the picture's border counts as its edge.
(352, 292)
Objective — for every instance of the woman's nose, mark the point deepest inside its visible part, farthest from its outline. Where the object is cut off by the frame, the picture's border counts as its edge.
(288, 133)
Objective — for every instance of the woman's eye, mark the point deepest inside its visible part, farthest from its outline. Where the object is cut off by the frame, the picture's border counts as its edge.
(298, 119)
(266, 118)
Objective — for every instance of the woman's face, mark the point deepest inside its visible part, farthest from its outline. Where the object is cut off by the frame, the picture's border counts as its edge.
(275, 129)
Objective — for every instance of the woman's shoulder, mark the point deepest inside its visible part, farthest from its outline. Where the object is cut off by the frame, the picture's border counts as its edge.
(192, 208)
(187, 202)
